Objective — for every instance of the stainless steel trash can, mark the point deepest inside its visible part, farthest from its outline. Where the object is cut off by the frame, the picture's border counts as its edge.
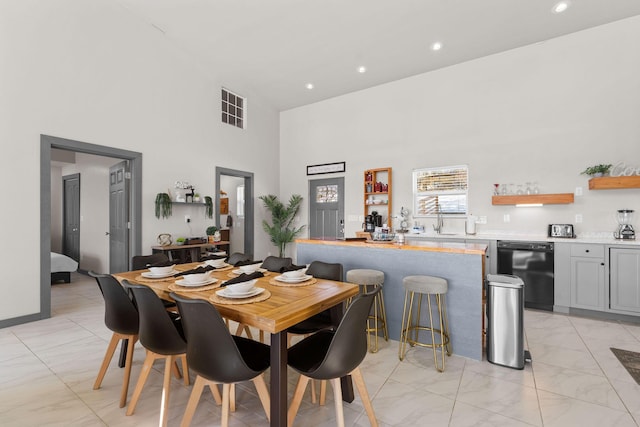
(505, 314)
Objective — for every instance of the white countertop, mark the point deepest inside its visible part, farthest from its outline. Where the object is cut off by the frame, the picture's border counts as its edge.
(605, 238)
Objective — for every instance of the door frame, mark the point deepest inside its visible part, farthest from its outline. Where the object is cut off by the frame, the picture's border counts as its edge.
(64, 210)
(248, 204)
(47, 142)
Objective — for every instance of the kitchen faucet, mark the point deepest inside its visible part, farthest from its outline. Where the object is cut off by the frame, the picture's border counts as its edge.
(439, 221)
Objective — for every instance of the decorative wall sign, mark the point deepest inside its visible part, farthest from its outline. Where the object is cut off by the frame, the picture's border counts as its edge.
(326, 168)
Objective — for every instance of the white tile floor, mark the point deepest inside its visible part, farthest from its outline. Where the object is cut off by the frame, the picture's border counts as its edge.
(47, 370)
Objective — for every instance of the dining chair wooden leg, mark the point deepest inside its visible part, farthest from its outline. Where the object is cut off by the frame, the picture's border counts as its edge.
(142, 379)
(127, 370)
(313, 391)
(323, 392)
(358, 379)
(175, 369)
(242, 327)
(166, 389)
(111, 348)
(185, 369)
(263, 394)
(194, 398)
(226, 389)
(215, 392)
(232, 397)
(297, 399)
(337, 397)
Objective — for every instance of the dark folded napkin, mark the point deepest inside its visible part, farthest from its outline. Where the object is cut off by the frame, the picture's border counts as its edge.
(208, 257)
(243, 278)
(161, 264)
(292, 267)
(198, 270)
(249, 262)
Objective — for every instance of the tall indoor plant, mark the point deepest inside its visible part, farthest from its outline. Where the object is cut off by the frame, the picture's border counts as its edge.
(281, 229)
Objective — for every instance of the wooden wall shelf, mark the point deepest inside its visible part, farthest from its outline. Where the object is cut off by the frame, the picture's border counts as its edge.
(545, 199)
(614, 182)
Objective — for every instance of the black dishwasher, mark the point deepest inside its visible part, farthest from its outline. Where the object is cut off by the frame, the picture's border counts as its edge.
(533, 263)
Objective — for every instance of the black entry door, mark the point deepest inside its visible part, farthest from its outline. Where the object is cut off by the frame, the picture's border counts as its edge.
(71, 216)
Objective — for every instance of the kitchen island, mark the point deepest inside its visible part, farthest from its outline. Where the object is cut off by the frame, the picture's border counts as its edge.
(462, 264)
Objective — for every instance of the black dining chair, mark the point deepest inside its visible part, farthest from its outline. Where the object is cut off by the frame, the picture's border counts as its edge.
(328, 319)
(140, 262)
(330, 355)
(237, 257)
(216, 357)
(276, 264)
(121, 317)
(162, 337)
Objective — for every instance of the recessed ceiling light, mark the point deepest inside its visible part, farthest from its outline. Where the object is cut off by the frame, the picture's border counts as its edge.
(309, 86)
(561, 6)
(436, 46)
(362, 69)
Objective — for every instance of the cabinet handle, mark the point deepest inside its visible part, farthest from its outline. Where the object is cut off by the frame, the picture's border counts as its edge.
(602, 264)
(587, 250)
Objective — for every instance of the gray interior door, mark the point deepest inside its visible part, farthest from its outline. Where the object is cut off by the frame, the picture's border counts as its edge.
(119, 217)
(326, 208)
(71, 216)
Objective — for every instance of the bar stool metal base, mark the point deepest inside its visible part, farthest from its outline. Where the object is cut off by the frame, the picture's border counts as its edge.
(367, 280)
(411, 326)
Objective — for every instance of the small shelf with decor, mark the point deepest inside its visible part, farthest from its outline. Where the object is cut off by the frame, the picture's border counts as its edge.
(378, 193)
(532, 199)
(614, 182)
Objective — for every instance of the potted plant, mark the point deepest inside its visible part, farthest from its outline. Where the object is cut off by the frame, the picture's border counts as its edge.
(208, 203)
(281, 230)
(597, 170)
(180, 241)
(213, 234)
(196, 197)
(163, 205)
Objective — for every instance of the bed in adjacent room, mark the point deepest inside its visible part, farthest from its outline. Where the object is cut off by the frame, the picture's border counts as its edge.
(61, 268)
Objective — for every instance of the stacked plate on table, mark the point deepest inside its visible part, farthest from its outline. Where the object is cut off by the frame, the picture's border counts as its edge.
(293, 278)
(239, 271)
(195, 280)
(154, 275)
(240, 290)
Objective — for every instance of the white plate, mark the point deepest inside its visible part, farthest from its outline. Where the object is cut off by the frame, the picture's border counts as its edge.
(150, 275)
(294, 279)
(183, 282)
(224, 265)
(223, 293)
(239, 272)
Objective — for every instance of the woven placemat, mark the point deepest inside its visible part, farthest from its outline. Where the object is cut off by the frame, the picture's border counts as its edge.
(221, 300)
(141, 279)
(275, 282)
(178, 288)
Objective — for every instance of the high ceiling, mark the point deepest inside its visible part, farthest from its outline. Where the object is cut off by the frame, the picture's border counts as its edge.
(276, 47)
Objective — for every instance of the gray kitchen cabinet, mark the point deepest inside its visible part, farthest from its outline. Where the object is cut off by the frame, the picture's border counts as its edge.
(588, 290)
(624, 267)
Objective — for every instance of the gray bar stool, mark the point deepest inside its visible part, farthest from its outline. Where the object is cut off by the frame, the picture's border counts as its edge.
(422, 285)
(374, 278)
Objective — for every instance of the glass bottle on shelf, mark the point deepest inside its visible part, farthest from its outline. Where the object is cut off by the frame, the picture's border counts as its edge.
(536, 189)
(520, 192)
(528, 190)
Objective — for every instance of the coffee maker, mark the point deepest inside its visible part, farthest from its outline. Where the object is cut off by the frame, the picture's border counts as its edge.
(625, 229)
(369, 225)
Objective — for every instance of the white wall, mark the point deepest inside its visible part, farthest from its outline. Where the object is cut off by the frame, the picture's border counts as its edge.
(539, 113)
(93, 72)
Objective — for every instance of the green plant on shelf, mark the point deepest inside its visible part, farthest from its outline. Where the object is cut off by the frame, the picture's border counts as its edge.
(597, 170)
(180, 241)
(208, 202)
(163, 205)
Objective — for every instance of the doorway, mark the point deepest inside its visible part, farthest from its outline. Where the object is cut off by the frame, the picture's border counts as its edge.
(47, 143)
(238, 186)
(326, 209)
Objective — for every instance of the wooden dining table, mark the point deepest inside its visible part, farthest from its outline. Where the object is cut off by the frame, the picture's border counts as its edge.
(285, 307)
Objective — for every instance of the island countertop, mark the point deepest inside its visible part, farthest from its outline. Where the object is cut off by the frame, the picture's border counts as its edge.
(426, 245)
(461, 264)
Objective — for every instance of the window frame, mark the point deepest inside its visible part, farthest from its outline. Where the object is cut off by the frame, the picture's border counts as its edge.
(417, 196)
(230, 107)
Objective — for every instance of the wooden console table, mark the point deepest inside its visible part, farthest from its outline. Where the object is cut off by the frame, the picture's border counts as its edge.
(189, 253)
